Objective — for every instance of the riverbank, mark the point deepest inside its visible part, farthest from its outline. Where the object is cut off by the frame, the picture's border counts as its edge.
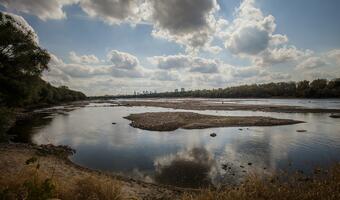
(45, 170)
(208, 105)
(67, 176)
(170, 121)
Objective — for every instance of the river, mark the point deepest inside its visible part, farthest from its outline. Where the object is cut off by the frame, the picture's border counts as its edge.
(189, 158)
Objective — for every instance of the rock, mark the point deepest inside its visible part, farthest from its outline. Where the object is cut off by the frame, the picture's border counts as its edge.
(213, 134)
(250, 163)
(301, 131)
(317, 171)
(114, 123)
(240, 129)
(335, 116)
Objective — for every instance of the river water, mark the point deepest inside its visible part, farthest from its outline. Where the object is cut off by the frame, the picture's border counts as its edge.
(189, 158)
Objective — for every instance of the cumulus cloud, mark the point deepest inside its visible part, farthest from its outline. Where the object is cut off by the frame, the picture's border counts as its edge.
(312, 63)
(118, 64)
(112, 11)
(181, 62)
(251, 32)
(246, 72)
(84, 59)
(190, 23)
(248, 40)
(122, 60)
(280, 55)
(252, 35)
(55, 75)
(163, 75)
(334, 54)
(44, 9)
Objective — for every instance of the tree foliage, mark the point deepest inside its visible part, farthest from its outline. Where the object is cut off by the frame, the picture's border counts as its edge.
(22, 62)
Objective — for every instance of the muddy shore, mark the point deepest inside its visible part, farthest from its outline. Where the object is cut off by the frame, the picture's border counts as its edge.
(206, 105)
(54, 160)
(169, 121)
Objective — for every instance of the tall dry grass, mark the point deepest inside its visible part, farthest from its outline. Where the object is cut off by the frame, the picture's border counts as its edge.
(32, 183)
(323, 185)
(93, 188)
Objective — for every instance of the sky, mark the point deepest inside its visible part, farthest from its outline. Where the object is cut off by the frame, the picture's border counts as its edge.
(104, 47)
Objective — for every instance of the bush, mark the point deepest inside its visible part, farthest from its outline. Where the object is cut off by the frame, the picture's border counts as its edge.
(6, 119)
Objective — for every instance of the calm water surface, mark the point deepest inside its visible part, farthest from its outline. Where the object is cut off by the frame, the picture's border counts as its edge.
(190, 158)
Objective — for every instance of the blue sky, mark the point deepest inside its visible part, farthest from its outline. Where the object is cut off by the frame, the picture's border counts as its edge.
(162, 45)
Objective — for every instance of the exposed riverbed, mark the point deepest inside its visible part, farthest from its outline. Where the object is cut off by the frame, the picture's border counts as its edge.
(104, 140)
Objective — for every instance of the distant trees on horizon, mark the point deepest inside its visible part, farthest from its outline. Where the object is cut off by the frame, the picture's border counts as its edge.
(319, 88)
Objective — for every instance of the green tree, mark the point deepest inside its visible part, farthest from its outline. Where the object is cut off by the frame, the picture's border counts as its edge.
(21, 62)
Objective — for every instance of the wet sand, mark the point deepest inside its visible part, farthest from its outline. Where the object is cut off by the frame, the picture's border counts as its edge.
(170, 121)
(206, 105)
(14, 156)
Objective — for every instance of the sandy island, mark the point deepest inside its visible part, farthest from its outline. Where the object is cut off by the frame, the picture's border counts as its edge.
(208, 105)
(169, 121)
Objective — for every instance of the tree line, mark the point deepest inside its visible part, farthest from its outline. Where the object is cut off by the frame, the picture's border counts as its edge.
(319, 88)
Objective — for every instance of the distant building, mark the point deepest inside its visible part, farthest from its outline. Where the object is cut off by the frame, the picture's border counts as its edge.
(176, 90)
(182, 90)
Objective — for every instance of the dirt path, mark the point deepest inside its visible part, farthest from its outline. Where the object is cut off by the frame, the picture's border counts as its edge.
(169, 121)
(14, 156)
(206, 105)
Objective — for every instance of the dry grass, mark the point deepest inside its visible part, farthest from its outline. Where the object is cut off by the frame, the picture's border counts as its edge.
(31, 183)
(324, 185)
(92, 188)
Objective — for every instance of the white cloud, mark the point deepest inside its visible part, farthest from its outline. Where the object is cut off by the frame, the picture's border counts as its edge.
(251, 32)
(182, 62)
(83, 59)
(44, 9)
(312, 63)
(112, 11)
(252, 35)
(122, 60)
(280, 55)
(246, 72)
(249, 40)
(190, 23)
(118, 64)
(163, 75)
(334, 54)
